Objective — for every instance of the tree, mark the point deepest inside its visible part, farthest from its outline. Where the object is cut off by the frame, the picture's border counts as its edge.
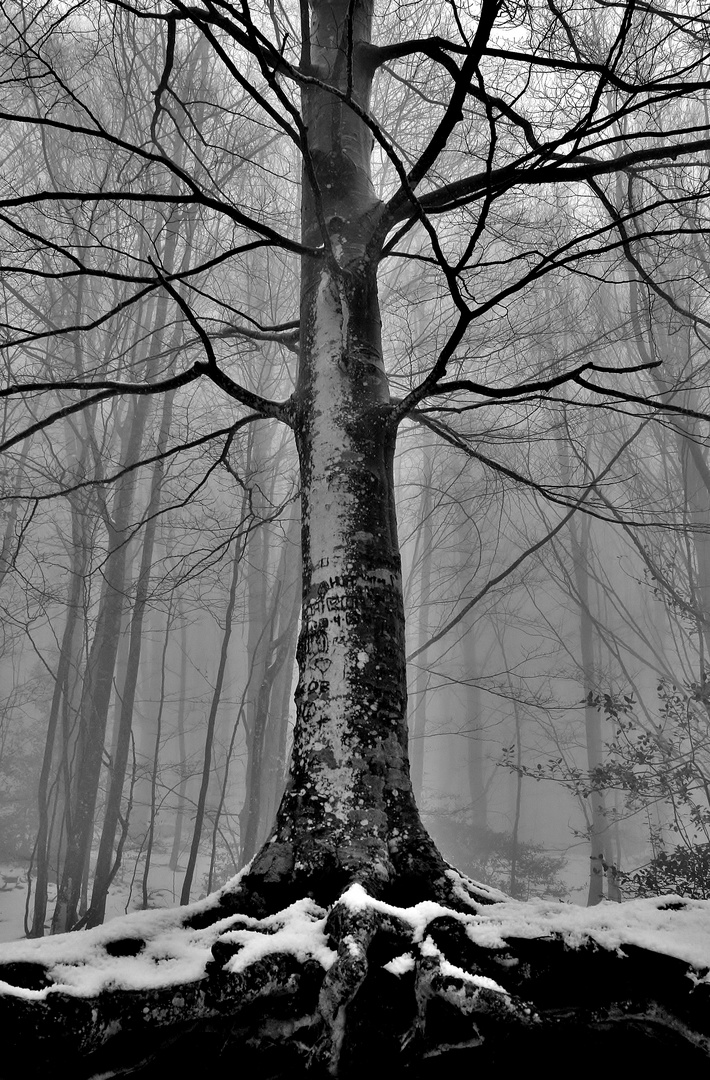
(484, 104)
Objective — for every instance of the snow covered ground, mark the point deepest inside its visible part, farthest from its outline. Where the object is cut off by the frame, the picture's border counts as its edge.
(167, 952)
(125, 896)
(13, 898)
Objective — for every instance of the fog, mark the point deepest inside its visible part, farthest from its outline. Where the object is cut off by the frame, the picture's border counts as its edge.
(557, 715)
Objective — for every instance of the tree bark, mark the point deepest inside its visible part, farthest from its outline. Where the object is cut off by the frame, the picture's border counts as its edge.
(348, 813)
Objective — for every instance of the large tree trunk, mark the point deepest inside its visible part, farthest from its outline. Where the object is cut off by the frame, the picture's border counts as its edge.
(348, 813)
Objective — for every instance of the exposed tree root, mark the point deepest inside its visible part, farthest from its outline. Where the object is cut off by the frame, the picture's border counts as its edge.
(405, 873)
(329, 993)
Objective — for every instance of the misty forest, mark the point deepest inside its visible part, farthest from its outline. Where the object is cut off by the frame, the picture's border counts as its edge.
(354, 533)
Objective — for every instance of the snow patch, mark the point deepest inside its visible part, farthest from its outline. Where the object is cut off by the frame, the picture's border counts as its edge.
(298, 930)
(656, 924)
(428, 948)
(400, 964)
(79, 964)
(649, 924)
(418, 917)
(167, 952)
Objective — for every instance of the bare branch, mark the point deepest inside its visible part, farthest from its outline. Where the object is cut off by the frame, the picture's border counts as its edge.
(111, 389)
(213, 371)
(492, 582)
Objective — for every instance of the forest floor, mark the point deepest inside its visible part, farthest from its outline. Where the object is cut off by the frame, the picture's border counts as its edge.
(336, 985)
(126, 893)
(13, 898)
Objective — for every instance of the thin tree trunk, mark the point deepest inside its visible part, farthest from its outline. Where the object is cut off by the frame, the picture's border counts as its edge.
(155, 765)
(592, 720)
(477, 792)
(250, 817)
(598, 826)
(103, 873)
(56, 782)
(259, 637)
(513, 885)
(271, 657)
(209, 732)
(421, 681)
(8, 547)
(281, 693)
(216, 824)
(515, 831)
(98, 683)
(182, 750)
(120, 680)
(49, 774)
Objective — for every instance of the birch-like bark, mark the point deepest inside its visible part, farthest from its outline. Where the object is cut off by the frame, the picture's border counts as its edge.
(348, 813)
